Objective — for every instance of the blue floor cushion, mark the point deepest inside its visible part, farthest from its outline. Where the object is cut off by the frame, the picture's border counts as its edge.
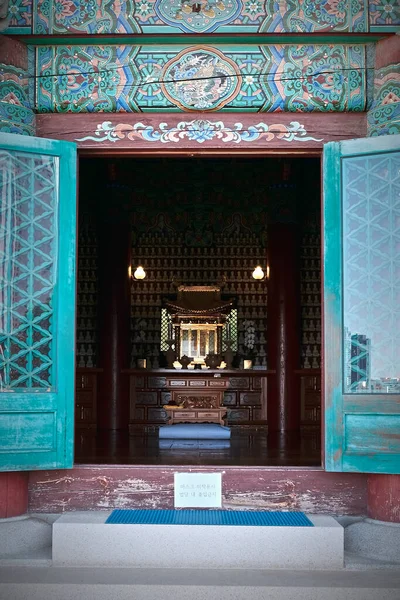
(174, 444)
(195, 431)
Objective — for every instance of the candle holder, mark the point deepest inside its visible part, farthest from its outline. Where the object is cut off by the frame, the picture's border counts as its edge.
(212, 360)
(185, 361)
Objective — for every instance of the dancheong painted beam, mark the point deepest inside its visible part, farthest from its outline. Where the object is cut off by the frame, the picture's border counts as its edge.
(199, 131)
(171, 17)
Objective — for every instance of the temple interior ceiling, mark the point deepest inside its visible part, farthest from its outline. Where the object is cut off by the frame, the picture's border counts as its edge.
(201, 78)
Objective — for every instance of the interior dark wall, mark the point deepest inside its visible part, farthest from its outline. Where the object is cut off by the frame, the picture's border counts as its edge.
(196, 220)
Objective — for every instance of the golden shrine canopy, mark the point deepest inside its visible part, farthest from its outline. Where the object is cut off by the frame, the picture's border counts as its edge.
(199, 301)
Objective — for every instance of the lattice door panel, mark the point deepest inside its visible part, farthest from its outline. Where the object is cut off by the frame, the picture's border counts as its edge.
(28, 230)
(37, 302)
(371, 272)
(362, 305)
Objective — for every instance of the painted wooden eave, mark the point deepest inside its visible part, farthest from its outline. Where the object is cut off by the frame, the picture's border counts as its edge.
(208, 39)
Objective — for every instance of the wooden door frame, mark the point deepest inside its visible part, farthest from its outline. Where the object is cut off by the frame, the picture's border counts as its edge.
(219, 135)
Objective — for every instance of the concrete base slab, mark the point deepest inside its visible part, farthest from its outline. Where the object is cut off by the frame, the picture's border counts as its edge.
(355, 562)
(180, 584)
(34, 558)
(23, 535)
(374, 539)
(83, 539)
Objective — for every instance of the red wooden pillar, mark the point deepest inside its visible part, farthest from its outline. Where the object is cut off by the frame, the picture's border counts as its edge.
(13, 494)
(114, 321)
(13, 485)
(384, 490)
(384, 497)
(283, 328)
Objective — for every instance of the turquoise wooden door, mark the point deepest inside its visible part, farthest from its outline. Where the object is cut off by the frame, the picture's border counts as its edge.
(37, 302)
(362, 305)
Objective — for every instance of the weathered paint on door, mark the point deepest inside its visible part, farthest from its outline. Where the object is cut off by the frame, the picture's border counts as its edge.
(37, 302)
(362, 305)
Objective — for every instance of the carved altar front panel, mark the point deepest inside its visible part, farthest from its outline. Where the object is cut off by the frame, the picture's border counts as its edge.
(244, 396)
(241, 395)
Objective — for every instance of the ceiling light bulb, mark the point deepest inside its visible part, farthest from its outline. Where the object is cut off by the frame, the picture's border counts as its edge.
(140, 273)
(258, 273)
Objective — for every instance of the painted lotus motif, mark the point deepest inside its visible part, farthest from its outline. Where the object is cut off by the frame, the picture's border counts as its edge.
(201, 79)
(198, 15)
(200, 131)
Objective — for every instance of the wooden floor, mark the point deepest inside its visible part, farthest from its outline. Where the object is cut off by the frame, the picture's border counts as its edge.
(245, 449)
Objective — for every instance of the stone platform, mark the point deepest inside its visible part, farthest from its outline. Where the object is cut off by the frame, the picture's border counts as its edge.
(83, 539)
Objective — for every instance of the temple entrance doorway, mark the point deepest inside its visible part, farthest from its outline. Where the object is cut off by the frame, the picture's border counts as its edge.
(216, 260)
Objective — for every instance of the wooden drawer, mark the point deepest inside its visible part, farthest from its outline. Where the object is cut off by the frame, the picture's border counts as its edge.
(156, 382)
(180, 396)
(177, 383)
(180, 414)
(217, 383)
(249, 398)
(146, 398)
(197, 383)
(207, 415)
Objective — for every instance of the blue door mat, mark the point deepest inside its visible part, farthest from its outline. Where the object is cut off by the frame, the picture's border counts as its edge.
(209, 517)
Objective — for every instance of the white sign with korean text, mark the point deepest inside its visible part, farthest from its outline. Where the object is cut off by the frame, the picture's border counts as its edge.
(198, 490)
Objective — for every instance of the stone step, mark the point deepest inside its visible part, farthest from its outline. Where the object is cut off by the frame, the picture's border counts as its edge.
(84, 539)
(72, 583)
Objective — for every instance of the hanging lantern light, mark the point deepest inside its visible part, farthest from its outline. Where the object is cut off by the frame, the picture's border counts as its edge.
(258, 273)
(140, 273)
